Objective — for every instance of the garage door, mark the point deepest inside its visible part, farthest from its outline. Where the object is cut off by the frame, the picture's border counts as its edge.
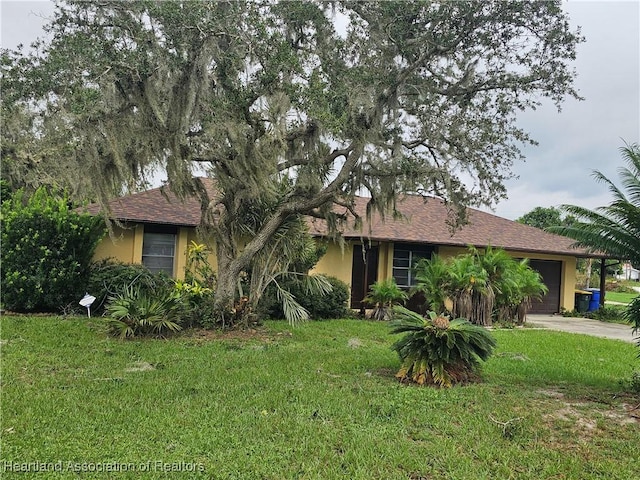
(551, 272)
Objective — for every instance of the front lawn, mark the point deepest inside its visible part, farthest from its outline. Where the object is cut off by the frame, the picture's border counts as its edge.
(620, 297)
(315, 402)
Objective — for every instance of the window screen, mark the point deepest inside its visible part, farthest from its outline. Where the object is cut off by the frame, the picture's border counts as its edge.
(158, 251)
(405, 257)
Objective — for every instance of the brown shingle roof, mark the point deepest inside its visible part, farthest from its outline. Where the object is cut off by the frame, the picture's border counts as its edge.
(152, 206)
(425, 222)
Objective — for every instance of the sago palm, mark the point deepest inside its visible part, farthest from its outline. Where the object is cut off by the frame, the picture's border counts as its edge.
(439, 351)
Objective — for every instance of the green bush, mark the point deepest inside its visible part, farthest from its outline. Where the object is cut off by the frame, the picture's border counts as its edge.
(331, 305)
(197, 289)
(46, 252)
(604, 314)
(618, 288)
(198, 302)
(109, 278)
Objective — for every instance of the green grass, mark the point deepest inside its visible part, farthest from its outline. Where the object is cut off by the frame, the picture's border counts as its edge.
(316, 402)
(620, 297)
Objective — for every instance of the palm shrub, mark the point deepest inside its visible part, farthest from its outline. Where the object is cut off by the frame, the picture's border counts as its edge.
(384, 294)
(462, 281)
(108, 278)
(470, 290)
(481, 286)
(632, 315)
(438, 351)
(432, 278)
(615, 228)
(289, 256)
(136, 311)
(516, 287)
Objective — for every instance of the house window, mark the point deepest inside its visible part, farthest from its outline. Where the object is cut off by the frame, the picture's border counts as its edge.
(158, 251)
(405, 257)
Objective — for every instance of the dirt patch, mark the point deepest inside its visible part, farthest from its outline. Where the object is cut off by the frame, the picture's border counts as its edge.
(140, 367)
(581, 419)
(354, 343)
(585, 416)
(521, 357)
(550, 393)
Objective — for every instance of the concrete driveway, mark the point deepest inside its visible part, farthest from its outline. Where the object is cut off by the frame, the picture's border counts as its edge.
(582, 325)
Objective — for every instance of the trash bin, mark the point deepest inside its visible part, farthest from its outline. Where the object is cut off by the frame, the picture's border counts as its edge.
(582, 300)
(594, 302)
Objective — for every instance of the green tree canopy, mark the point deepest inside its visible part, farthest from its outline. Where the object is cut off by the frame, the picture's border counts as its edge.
(545, 217)
(295, 105)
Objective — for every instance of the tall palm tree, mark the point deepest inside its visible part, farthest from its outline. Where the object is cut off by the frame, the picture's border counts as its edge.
(614, 229)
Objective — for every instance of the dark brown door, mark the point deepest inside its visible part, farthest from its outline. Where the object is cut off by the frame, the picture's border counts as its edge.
(364, 272)
(551, 272)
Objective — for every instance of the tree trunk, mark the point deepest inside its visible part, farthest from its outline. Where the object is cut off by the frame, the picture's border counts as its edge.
(229, 270)
(603, 280)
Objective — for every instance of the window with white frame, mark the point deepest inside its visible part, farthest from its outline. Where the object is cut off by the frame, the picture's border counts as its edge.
(158, 251)
(405, 257)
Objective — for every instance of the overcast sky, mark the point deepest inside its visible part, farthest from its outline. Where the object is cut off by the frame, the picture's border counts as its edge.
(585, 136)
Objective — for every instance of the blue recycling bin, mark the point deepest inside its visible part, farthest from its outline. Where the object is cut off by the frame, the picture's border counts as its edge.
(594, 301)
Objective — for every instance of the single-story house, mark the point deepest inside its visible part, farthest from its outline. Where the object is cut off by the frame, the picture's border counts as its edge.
(157, 229)
(629, 273)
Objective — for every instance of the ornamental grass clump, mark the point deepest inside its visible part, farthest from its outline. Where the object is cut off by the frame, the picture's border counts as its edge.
(438, 351)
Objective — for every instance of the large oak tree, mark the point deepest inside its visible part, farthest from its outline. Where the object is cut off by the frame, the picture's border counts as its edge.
(291, 107)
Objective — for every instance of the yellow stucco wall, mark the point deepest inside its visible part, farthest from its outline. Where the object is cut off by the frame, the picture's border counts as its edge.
(125, 245)
(385, 261)
(336, 262)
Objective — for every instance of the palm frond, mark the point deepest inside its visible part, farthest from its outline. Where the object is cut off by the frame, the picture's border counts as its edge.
(613, 229)
(316, 284)
(293, 311)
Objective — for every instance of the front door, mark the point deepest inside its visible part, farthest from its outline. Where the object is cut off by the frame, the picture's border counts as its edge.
(364, 272)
